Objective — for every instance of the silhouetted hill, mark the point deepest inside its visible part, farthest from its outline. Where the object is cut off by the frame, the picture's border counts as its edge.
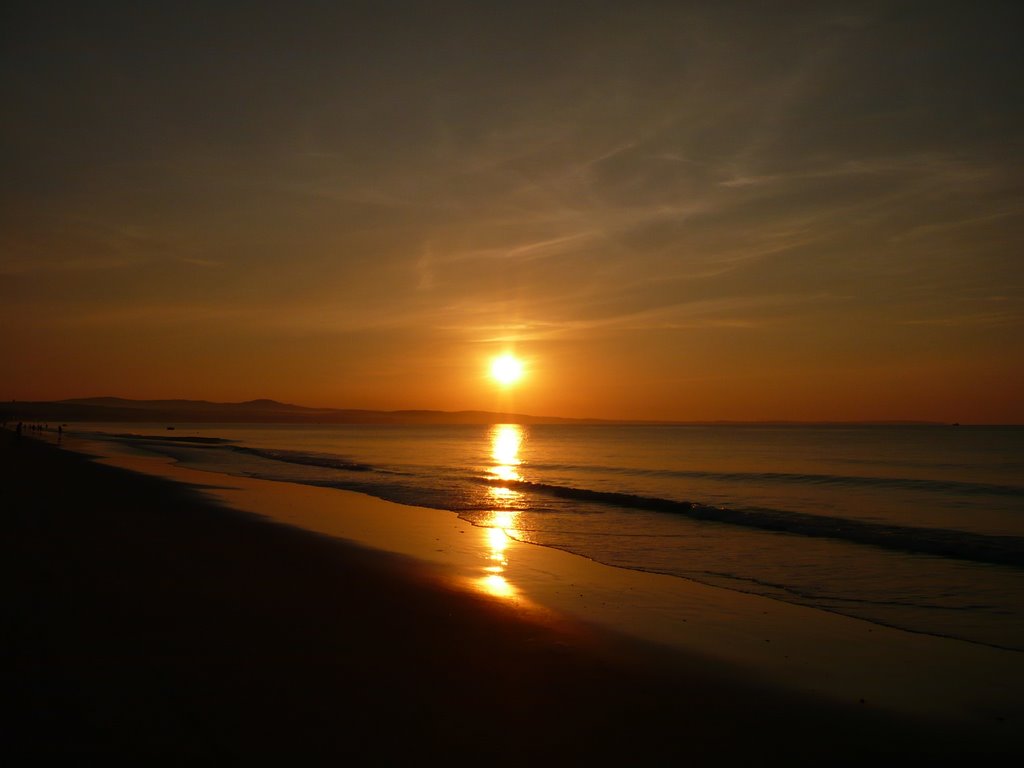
(264, 411)
(189, 405)
(117, 409)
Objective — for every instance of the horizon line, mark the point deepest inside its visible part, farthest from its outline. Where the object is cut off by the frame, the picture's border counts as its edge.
(97, 402)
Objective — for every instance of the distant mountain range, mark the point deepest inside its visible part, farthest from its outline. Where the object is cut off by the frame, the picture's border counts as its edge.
(171, 412)
(118, 409)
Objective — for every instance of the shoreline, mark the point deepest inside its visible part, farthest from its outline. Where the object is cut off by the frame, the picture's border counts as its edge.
(163, 624)
(776, 643)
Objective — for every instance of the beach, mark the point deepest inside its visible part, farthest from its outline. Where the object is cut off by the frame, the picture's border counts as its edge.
(148, 621)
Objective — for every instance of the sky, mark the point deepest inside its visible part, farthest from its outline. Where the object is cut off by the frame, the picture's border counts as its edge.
(666, 210)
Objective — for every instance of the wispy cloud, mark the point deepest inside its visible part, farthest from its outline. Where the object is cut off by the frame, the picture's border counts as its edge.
(807, 179)
(24, 266)
(204, 263)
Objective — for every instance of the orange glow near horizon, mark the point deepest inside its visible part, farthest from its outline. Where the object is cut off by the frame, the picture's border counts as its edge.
(545, 253)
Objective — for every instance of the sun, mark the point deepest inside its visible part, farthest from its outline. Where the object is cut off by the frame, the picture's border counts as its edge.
(506, 369)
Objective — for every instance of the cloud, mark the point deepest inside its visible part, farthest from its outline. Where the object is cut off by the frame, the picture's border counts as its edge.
(204, 263)
(13, 265)
(530, 173)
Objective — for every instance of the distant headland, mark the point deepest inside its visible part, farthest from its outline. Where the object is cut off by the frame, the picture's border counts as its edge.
(263, 411)
(118, 409)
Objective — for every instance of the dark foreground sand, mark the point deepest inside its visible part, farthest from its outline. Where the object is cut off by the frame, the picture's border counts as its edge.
(143, 624)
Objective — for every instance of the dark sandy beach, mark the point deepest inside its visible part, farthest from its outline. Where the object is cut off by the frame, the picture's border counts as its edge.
(145, 624)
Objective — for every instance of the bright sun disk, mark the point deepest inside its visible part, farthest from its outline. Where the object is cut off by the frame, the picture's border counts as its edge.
(506, 369)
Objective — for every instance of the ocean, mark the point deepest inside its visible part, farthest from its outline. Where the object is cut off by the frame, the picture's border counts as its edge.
(920, 528)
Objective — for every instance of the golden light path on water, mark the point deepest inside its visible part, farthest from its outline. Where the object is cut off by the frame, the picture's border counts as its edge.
(506, 441)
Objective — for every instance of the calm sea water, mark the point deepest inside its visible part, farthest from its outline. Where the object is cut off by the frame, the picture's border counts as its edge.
(920, 528)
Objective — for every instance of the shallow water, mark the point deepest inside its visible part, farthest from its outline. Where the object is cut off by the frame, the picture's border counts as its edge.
(920, 528)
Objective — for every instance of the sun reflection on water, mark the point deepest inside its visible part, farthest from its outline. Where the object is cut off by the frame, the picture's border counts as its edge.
(505, 443)
(498, 542)
(506, 440)
(497, 585)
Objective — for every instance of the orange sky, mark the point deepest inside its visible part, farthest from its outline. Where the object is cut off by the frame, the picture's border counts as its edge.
(668, 210)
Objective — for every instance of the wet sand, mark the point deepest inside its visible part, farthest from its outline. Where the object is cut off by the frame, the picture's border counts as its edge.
(145, 624)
